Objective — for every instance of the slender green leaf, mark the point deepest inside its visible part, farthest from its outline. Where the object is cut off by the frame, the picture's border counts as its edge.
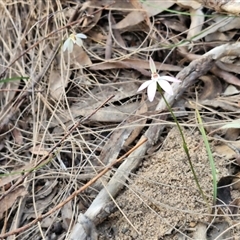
(210, 156)
(6, 80)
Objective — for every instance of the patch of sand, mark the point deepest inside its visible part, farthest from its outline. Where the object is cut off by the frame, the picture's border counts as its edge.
(163, 199)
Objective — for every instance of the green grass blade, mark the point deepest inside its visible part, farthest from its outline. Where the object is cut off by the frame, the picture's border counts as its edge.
(6, 80)
(210, 156)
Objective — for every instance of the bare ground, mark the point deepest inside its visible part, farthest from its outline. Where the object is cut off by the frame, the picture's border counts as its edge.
(162, 200)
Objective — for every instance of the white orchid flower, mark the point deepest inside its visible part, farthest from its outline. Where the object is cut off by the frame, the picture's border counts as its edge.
(163, 82)
(73, 39)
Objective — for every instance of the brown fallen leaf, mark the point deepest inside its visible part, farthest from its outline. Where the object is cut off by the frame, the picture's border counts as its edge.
(189, 4)
(38, 150)
(43, 201)
(149, 8)
(111, 4)
(136, 130)
(218, 102)
(79, 57)
(236, 182)
(107, 114)
(67, 213)
(232, 134)
(226, 76)
(116, 34)
(7, 201)
(174, 24)
(225, 151)
(17, 135)
(88, 103)
(92, 19)
(139, 6)
(212, 87)
(229, 67)
(219, 36)
(137, 64)
(15, 174)
(197, 21)
(229, 6)
(57, 84)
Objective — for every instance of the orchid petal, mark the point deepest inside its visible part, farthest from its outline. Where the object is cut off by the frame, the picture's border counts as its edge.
(66, 44)
(144, 85)
(81, 35)
(169, 79)
(79, 42)
(73, 39)
(151, 91)
(166, 86)
(70, 46)
(152, 65)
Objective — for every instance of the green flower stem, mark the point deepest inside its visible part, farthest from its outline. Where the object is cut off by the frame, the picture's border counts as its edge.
(185, 147)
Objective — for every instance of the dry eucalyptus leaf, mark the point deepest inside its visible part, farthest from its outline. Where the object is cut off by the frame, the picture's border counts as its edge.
(42, 203)
(233, 24)
(236, 182)
(47, 189)
(189, 4)
(137, 64)
(174, 24)
(57, 84)
(67, 214)
(17, 135)
(231, 90)
(78, 57)
(225, 151)
(149, 8)
(88, 103)
(107, 114)
(233, 124)
(112, 4)
(232, 134)
(217, 102)
(114, 145)
(90, 22)
(7, 201)
(218, 23)
(38, 150)
(212, 87)
(137, 129)
(219, 36)
(197, 21)
(120, 91)
(228, 6)
(15, 173)
(47, 221)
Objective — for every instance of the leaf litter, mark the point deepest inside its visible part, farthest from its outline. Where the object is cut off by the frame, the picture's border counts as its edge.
(152, 194)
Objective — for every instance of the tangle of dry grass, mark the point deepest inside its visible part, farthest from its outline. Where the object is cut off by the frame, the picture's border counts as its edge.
(62, 89)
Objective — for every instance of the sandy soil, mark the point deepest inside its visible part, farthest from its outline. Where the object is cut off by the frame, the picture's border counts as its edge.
(162, 200)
